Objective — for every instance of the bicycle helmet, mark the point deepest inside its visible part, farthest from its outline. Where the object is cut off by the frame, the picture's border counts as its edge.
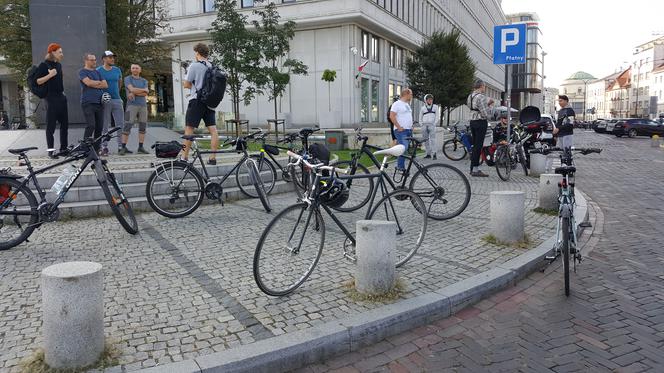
(428, 96)
(335, 195)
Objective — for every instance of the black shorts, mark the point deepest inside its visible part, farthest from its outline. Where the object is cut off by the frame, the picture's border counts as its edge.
(197, 111)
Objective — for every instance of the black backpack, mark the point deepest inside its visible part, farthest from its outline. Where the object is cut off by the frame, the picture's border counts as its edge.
(38, 90)
(214, 87)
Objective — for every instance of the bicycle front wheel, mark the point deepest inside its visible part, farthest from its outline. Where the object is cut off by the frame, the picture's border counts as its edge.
(289, 249)
(454, 150)
(565, 247)
(257, 181)
(503, 162)
(444, 189)
(18, 213)
(359, 190)
(404, 208)
(521, 154)
(266, 170)
(174, 189)
(118, 202)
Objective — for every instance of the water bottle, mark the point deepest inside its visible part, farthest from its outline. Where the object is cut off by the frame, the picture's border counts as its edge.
(67, 174)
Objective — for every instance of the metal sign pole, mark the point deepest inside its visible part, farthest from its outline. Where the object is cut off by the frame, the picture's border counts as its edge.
(509, 101)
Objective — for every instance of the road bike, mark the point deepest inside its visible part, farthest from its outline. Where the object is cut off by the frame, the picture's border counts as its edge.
(20, 211)
(292, 243)
(444, 189)
(566, 229)
(510, 154)
(176, 188)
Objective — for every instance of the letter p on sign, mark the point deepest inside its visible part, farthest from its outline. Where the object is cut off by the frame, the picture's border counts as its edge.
(506, 41)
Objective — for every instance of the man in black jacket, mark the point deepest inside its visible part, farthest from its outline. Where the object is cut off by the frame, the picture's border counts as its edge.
(565, 123)
(50, 74)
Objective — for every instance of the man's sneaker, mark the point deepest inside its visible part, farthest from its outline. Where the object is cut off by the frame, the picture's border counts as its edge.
(52, 155)
(104, 152)
(478, 174)
(434, 156)
(212, 162)
(128, 151)
(141, 150)
(427, 156)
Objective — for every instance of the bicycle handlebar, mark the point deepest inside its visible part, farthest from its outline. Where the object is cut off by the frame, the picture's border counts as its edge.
(317, 167)
(584, 151)
(89, 141)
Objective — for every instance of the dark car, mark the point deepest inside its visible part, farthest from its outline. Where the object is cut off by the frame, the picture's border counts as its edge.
(638, 127)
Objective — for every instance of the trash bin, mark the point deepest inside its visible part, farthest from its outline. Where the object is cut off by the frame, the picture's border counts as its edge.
(334, 140)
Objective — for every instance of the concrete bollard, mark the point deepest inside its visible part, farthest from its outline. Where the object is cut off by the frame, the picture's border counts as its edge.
(655, 141)
(507, 215)
(73, 309)
(548, 191)
(538, 164)
(375, 248)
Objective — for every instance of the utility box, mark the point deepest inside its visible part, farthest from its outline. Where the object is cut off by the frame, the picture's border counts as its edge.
(334, 140)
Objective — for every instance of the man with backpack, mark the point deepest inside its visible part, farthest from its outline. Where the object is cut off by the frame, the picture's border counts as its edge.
(199, 81)
(46, 82)
(428, 120)
(481, 108)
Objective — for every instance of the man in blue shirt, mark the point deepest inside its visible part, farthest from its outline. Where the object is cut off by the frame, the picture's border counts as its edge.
(113, 75)
(92, 87)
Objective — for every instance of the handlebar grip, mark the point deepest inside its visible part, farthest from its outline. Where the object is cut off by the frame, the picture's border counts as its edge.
(294, 155)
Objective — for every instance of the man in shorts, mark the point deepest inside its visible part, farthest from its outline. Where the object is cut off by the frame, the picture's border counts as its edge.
(137, 109)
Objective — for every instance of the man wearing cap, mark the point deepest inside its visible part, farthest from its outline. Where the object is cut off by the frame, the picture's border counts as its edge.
(115, 108)
(428, 119)
(481, 108)
(50, 73)
(565, 123)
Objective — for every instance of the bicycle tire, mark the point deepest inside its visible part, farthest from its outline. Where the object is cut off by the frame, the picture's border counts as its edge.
(522, 159)
(268, 176)
(356, 197)
(503, 162)
(565, 247)
(259, 187)
(263, 267)
(385, 210)
(459, 186)
(167, 168)
(31, 201)
(453, 145)
(118, 201)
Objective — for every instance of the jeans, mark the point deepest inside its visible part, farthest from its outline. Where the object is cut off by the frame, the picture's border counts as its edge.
(566, 141)
(56, 111)
(93, 114)
(478, 132)
(429, 133)
(113, 108)
(401, 139)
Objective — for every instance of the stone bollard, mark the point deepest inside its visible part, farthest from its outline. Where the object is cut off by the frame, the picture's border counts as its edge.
(548, 191)
(73, 308)
(375, 248)
(655, 141)
(537, 164)
(507, 215)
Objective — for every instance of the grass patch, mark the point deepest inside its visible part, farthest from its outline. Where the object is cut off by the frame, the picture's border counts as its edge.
(550, 212)
(36, 362)
(394, 294)
(525, 243)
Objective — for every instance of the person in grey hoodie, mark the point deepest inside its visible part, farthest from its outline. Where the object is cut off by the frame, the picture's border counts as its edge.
(428, 118)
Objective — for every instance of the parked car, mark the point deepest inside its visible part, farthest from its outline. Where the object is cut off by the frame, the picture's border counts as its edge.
(611, 124)
(638, 127)
(601, 126)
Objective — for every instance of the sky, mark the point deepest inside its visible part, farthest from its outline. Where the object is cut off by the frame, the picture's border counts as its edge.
(594, 36)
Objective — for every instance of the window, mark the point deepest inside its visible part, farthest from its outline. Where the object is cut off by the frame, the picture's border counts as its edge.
(208, 6)
(365, 45)
(375, 49)
(392, 55)
(247, 3)
(374, 100)
(364, 100)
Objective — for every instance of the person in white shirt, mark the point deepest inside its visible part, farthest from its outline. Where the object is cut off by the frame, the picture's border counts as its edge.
(401, 116)
(428, 119)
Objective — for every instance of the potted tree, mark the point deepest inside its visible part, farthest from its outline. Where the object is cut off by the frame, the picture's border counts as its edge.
(329, 118)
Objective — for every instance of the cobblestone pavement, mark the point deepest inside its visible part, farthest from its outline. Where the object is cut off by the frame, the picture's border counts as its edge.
(612, 322)
(183, 288)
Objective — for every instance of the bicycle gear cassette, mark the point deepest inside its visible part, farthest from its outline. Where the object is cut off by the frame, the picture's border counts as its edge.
(214, 191)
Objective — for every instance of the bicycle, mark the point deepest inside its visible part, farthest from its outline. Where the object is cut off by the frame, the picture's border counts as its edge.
(443, 188)
(509, 154)
(176, 188)
(291, 244)
(456, 148)
(566, 232)
(21, 211)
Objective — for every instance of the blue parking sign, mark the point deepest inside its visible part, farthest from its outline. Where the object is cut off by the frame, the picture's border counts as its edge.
(509, 44)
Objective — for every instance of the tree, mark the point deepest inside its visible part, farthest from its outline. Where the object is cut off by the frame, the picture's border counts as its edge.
(237, 50)
(15, 39)
(329, 76)
(275, 44)
(442, 66)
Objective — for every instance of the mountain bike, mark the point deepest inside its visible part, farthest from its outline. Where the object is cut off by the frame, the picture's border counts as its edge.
(566, 232)
(291, 245)
(509, 154)
(444, 189)
(20, 211)
(461, 144)
(176, 188)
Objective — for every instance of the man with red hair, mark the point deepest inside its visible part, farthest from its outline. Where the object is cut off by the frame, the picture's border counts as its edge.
(50, 74)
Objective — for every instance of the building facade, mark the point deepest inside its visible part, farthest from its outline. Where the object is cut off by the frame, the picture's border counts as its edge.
(658, 89)
(11, 96)
(575, 88)
(645, 59)
(550, 100)
(341, 36)
(527, 78)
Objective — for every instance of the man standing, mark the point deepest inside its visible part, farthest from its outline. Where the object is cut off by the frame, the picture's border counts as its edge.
(92, 88)
(565, 123)
(197, 110)
(50, 73)
(137, 108)
(481, 109)
(428, 119)
(115, 108)
(402, 116)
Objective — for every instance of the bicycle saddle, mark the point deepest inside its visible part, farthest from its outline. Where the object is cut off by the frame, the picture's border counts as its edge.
(565, 170)
(416, 140)
(307, 131)
(191, 137)
(18, 151)
(394, 151)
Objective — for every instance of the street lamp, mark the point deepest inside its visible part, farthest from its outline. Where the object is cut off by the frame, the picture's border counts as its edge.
(543, 86)
(585, 96)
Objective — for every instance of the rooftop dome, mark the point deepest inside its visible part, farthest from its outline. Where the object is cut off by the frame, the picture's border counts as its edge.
(581, 75)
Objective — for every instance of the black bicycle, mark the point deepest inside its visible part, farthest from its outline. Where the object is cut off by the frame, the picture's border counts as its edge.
(508, 155)
(291, 245)
(20, 211)
(444, 189)
(176, 188)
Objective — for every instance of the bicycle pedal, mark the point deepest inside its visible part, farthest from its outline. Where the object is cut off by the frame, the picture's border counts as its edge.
(585, 224)
(350, 258)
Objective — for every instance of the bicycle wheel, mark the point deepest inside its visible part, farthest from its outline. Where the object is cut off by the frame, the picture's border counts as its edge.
(359, 189)
(444, 189)
(503, 162)
(259, 187)
(565, 247)
(300, 175)
(18, 213)
(266, 170)
(522, 159)
(404, 208)
(118, 202)
(174, 189)
(289, 249)
(454, 149)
